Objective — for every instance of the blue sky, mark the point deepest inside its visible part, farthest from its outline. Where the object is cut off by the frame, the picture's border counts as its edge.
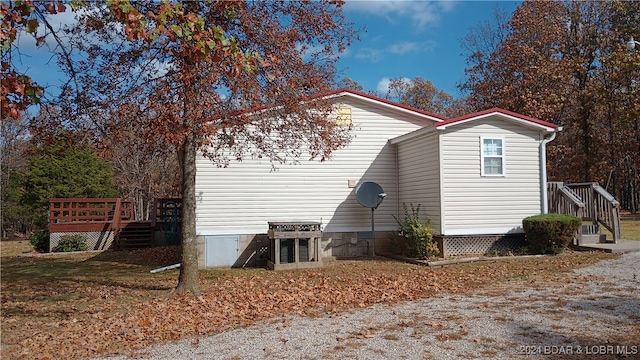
(400, 38)
(413, 38)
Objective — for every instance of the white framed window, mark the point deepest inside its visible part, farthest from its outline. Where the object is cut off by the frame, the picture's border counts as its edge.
(344, 116)
(492, 156)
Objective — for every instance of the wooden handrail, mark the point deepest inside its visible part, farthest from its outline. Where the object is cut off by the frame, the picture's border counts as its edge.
(571, 196)
(598, 206)
(604, 193)
(79, 210)
(96, 200)
(608, 211)
(563, 200)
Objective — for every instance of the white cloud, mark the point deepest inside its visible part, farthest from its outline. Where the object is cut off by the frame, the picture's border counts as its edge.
(373, 55)
(404, 47)
(421, 13)
(383, 84)
(309, 50)
(26, 43)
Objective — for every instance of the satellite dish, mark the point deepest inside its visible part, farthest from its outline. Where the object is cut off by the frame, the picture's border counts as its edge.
(370, 194)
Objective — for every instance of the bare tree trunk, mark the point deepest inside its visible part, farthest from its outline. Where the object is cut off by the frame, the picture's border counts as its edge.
(188, 280)
(632, 191)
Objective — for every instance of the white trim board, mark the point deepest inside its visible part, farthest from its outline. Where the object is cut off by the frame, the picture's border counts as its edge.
(484, 231)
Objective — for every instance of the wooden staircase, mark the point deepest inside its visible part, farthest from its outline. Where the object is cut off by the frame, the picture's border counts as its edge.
(593, 204)
(591, 234)
(135, 235)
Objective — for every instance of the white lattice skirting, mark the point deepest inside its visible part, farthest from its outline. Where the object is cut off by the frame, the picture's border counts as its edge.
(96, 240)
(479, 244)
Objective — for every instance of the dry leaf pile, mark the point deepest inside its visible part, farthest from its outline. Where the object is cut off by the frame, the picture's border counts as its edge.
(87, 305)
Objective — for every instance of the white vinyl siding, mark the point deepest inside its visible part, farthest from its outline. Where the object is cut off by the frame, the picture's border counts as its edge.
(244, 197)
(419, 176)
(478, 204)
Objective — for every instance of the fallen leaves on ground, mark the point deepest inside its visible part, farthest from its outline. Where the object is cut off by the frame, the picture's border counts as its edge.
(89, 305)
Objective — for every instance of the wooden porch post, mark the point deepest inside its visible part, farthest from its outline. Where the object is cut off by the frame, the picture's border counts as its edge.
(116, 222)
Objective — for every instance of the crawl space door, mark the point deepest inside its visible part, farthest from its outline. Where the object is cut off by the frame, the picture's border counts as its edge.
(221, 250)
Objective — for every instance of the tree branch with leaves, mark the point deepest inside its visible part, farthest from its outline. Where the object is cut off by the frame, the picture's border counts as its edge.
(187, 70)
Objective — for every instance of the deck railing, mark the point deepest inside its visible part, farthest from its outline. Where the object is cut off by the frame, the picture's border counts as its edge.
(602, 208)
(165, 208)
(86, 211)
(563, 200)
(115, 218)
(597, 205)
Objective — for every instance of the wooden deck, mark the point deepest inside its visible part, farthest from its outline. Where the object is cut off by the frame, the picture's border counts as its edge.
(114, 217)
(590, 202)
(82, 214)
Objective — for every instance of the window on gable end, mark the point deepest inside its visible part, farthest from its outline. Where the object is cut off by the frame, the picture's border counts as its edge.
(492, 156)
(343, 116)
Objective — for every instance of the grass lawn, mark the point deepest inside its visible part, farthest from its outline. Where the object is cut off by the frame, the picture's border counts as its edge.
(15, 247)
(629, 227)
(82, 305)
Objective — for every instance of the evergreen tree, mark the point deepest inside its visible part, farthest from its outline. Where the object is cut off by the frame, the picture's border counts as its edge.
(61, 170)
(16, 217)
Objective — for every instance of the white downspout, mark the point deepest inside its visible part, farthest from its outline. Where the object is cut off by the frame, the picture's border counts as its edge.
(397, 181)
(543, 165)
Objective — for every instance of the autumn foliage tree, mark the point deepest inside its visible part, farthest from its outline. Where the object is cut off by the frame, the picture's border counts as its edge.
(566, 62)
(17, 91)
(422, 94)
(180, 74)
(15, 217)
(144, 170)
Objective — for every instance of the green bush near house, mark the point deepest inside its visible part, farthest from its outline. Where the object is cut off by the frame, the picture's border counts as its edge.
(550, 233)
(70, 243)
(40, 241)
(414, 237)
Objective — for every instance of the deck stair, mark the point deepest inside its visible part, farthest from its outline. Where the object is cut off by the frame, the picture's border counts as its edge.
(135, 235)
(591, 234)
(593, 204)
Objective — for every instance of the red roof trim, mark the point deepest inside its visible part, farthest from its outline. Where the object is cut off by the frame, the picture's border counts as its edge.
(339, 92)
(381, 100)
(493, 111)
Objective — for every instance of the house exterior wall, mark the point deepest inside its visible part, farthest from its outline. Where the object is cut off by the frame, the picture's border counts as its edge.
(473, 204)
(419, 175)
(242, 198)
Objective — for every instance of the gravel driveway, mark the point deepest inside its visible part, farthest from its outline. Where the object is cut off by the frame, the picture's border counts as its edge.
(594, 314)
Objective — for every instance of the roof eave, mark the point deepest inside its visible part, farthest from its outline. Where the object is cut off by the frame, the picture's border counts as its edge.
(412, 135)
(386, 104)
(525, 121)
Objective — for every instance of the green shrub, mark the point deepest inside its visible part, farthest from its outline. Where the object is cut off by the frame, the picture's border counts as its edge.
(69, 243)
(40, 241)
(550, 233)
(414, 237)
